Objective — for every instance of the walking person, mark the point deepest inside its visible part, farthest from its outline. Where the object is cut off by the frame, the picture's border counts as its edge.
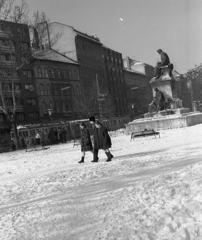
(104, 140)
(86, 144)
(101, 139)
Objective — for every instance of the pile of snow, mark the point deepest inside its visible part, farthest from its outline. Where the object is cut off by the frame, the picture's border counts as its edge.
(150, 191)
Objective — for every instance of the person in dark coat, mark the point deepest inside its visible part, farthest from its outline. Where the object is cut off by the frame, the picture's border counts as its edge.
(96, 140)
(104, 140)
(86, 144)
(64, 134)
(51, 136)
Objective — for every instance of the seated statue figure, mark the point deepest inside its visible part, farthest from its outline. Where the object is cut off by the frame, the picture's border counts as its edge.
(165, 63)
(160, 103)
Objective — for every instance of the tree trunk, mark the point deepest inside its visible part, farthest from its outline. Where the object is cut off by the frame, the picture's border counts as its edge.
(15, 133)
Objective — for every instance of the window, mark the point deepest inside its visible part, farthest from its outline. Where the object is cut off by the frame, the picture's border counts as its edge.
(57, 106)
(44, 110)
(17, 87)
(59, 74)
(20, 117)
(50, 105)
(75, 75)
(25, 60)
(9, 102)
(67, 74)
(33, 102)
(19, 102)
(39, 72)
(33, 115)
(70, 74)
(24, 46)
(48, 89)
(41, 89)
(77, 90)
(53, 73)
(30, 88)
(46, 72)
(27, 73)
(1, 118)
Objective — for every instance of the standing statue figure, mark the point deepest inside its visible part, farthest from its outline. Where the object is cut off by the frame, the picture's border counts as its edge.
(165, 61)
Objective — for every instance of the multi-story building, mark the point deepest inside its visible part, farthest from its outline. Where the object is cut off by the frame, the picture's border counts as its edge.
(84, 49)
(114, 74)
(100, 67)
(17, 73)
(137, 77)
(58, 84)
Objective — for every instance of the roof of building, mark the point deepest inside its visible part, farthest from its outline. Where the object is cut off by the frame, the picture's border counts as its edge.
(92, 37)
(133, 71)
(53, 55)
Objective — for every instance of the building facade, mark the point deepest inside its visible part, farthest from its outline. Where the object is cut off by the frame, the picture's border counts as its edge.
(137, 77)
(114, 74)
(18, 95)
(58, 84)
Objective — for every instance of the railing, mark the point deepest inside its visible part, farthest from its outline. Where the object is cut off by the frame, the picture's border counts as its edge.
(7, 63)
(7, 49)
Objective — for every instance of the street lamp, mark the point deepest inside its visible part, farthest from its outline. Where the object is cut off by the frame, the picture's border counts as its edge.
(50, 111)
(133, 105)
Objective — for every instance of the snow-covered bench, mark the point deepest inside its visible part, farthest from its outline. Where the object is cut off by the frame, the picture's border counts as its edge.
(144, 133)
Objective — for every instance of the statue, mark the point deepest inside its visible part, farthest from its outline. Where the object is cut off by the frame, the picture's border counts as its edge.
(160, 102)
(165, 62)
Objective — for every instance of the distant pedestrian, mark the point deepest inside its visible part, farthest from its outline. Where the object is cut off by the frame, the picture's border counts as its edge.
(64, 134)
(60, 135)
(51, 136)
(86, 144)
(38, 138)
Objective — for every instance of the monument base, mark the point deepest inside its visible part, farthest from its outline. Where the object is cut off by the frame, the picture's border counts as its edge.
(162, 122)
(167, 112)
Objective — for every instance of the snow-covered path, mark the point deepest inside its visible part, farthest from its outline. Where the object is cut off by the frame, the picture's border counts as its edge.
(151, 190)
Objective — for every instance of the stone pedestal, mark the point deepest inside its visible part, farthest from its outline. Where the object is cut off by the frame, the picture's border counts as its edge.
(164, 122)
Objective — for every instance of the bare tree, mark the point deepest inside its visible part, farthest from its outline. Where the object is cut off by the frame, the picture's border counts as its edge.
(194, 83)
(87, 102)
(16, 11)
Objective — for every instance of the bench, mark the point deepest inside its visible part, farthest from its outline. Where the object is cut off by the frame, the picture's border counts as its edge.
(35, 147)
(144, 133)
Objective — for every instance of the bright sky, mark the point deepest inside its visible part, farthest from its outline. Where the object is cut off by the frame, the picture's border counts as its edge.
(136, 28)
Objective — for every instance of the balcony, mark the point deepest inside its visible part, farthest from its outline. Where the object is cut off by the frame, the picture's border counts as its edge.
(7, 63)
(7, 49)
(5, 34)
(9, 93)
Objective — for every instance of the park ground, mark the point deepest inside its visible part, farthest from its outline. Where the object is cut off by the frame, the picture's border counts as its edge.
(152, 190)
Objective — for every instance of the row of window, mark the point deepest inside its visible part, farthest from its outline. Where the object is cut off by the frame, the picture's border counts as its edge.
(9, 102)
(57, 73)
(89, 48)
(58, 90)
(7, 87)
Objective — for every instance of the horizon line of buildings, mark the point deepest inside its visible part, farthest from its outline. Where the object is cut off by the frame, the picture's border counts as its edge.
(67, 74)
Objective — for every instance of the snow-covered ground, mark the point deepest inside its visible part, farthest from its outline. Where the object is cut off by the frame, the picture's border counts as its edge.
(152, 190)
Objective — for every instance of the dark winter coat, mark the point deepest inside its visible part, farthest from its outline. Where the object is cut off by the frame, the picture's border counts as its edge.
(102, 139)
(86, 144)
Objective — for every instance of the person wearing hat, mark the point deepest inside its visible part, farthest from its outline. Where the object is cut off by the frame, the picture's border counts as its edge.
(97, 144)
(104, 139)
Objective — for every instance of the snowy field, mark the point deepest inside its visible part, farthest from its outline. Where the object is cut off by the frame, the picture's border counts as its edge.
(152, 190)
